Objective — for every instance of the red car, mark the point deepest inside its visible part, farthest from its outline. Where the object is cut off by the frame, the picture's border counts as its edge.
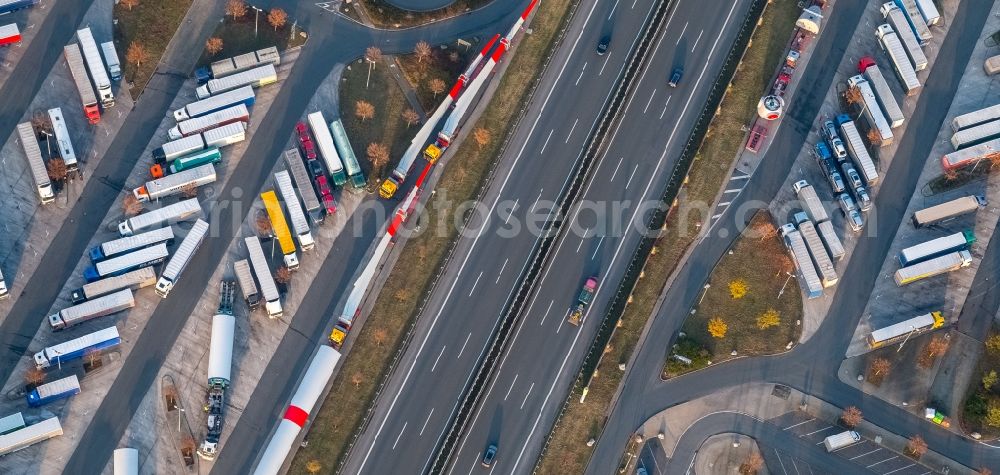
(302, 131)
(309, 149)
(329, 204)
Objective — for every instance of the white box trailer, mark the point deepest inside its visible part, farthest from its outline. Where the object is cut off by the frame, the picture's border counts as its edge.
(176, 212)
(61, 132)
(872, 111)
(256, 77)
(976, 135)
(185, 252)
(969, 155)
(26, 134)
(841, 440)
(220, 351)
(130, 243)
(299, 223)
(916, 20)
(976, 117)
(948, 210)
(827, 273)
(243, 95)
(132, 280)
(883, 94)
(11, 423)
(30, 435)
(936, 247)
(225, 67)
(304, 186)
(126, 262)
(857, 150)
(810, 282)
(178, 148)
(937, 266)
(245, 278)
(833, 243)
(229, 115)
(810, 201)
(893, 48)
(897, 19)
(91, 309)
(175, 183)
(263, 271)
(225, 135)
(126, 461)
(77, 69)
(111, 58)
(929, 12)
(327, 149)
(96, 67)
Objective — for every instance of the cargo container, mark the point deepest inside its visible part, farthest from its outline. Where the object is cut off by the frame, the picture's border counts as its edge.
(929, 12)
(11, 423)
(976, 135)
(7, 6)
(243, 95)
(74, 60)
(185, 252)
(831, 240)
(126, 462)
(111, 58)
(78, 347)
(916, 20)
(256, 77)
(197, 159)
(225, 135)
(809, 279)
(327, 150)
(179, 211)
(970, 155)
(936, 247)
(304, 186)
(65, 145)
(26, 134)
(126, 262)
(883, 94)
(54, 391)
(229, 115)
(280, 228)
(897, 19)
(247, 285)
(9, 34)
(872, 111)
(937, 266)
(857, 150)
(91, 309)
(30, 435)
(130, 243)
(346, 152)
(269, 290)
(905, 329)
(299, 223)
(178, 148)
(821, 259)
(133, 280)
(841, 440)
(225, 67)
(810, 201)
(976, 117)
(176, 183)
(92, 55)
(948, 210)
(893, 48)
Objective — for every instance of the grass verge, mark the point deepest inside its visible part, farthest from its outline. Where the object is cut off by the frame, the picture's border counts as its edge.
(385, 15)
(444, 64)
(982, 401)
(238, 37)
(567, 451)
(151, 25)
(958, 178)
(395, 309)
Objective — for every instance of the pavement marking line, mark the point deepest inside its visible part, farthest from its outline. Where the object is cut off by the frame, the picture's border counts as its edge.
(742, 177)
(605, 64)
(616, 168)
(532, 209)
(613, 7)
(716, 216)
(697, 40)
(800, 423)
(559, 327)
(782, 463)
(594, 255)
(883, 461)
(526, 395)
(578, 246)
(665, 107)
(475, 462)
(815, 431)
(438, 358)
(862, 455)
(722, 205)
(681, 36)
(630, 177)
(542, 322)
(463, 345)
(634, 2)
(546, 144)
(475, 283)
(795, 466)
(399, 436)
(651, 96)
(511, 387)
(512, 209)
(584, 68)
(898, 469)
(733, 190)
(426, 421)
(570, 134)
(504, 266)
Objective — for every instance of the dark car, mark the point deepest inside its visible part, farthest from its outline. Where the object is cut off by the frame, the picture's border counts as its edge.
(675, 77)
(315, 169)
(602, 46)
(490, 455)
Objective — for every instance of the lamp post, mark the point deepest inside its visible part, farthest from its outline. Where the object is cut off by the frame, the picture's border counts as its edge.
(256, 15)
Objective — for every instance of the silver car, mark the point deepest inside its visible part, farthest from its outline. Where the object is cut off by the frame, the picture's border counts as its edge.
(830, 132)
(854, 218)
(864, 201)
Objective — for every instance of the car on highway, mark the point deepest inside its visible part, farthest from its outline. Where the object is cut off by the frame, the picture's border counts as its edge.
(603, 44)
(675, 77)
(489, 455)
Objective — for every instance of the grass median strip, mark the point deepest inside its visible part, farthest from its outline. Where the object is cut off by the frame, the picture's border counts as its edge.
(146, 27)
(396, 306)
(568, 451)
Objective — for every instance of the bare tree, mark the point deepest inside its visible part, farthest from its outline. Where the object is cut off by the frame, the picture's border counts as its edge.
(380, 336)
(263, 223)
(373, 54)
(378, 155)
(931, 351)
(57, 169)
(136, 54)
(853, 95)
(130, 4)
(752, 464)
(131, 206)
(423, 51)
(34, 377)
(356, 379)
(364, 110)
(985, 471)
(41, 123)
(282, 275)
(410, 116)
(482, 137)
(189, 190)
(874, 137)
(277, 18)
(313, 466)
(236, 8)
(851, 417)
(213, 45)
(878, 369)
(916, 447)
(92, 358)
(436, 86)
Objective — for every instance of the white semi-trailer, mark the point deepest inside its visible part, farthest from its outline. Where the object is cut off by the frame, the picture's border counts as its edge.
(883, 94)
(872, 111)
(936, 247)
(247, 286)
(833, 243)
(948, 210)
(243, 95)
(237, 113)
(176, 183)
(189, 246)
(121, 264)
(133, 280)
(937, 266)
(91, 309)
(304, 186)
(810, 201)
(820, 257)
(176, 212)
(299, 223)
(976, 135)
(130, 243)
(96, 67)
(272, 300)
(893, 47)
(26, 134)
(256, 77)
(897, 19)
(327, 149)
(810, 281)
(78, 347)
(976, 117)
(30, 435)
(857, 150)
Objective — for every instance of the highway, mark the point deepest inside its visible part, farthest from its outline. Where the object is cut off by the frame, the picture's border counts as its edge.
(812, 367)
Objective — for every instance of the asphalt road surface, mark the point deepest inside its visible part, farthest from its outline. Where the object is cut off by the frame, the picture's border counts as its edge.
(420, 5)
(812, 367)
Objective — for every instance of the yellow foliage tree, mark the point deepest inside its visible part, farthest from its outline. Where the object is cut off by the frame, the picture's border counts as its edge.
(738, 289)
(992, 418)
(993, 343)
(717, 328)
(768, 319)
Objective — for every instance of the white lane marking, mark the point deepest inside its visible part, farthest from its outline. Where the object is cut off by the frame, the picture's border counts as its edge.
(463, 345)
(399, 436)
(598, 248)
(697, 40)
(800, 423)
(616, 168)
(475, 462)
(815, 431)
(438, 358)
(725, 204)
(606, 58)
(546, 144)
(634, 2)
(883, 461)
(559, 327)
(583, 238)
(532, 209)
(651, 96)
(681, 36)
(511, 213)
(426, 421)
(504, 266)
(734, 190)
(613, 7)
(716, 216)
(571, 129)
(621, 242)
(542, 322)
(526, 395)
(743, 177)
(665, 106)
(584, 68)
(511, 387)
(630, 177)
(475, 284)
(901, 468)
(465, 260)
(859, 456)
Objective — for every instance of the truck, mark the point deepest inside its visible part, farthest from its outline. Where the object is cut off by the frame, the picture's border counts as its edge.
(269, 290)
(7, 6)
(132, 280)
(92, 55)
(309, 199)
(91, 309)
(30, 435)
(118, 246)
(208, 156)
(327, 150)
(243, 95)
(916, 20)
(299, 223)
(872, 112)
(78, 347)
(176, 183)
(43, 186)
(810, 201)
(809, 282)
(841, 440)
(831, 240)
(220, 362)
(976, 117)
(280, 228)
(237, 113)
(857, 150)
(969, 155)
(893, 47)
(189, 246)
(179, 211)
(976, 135)
(256, 77)
(247, 286)
(65, 145)
(897, 19)
(575, 314)
(346, 152)
(9, 34)
(937, 266)
(937, 247)
(221, 136)
(54, 391)
(225, 67)
(948, 210)
(119, 265)
(905, 329)
(74, 59)
(820, 257)
(111, 58)
(883, 94)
